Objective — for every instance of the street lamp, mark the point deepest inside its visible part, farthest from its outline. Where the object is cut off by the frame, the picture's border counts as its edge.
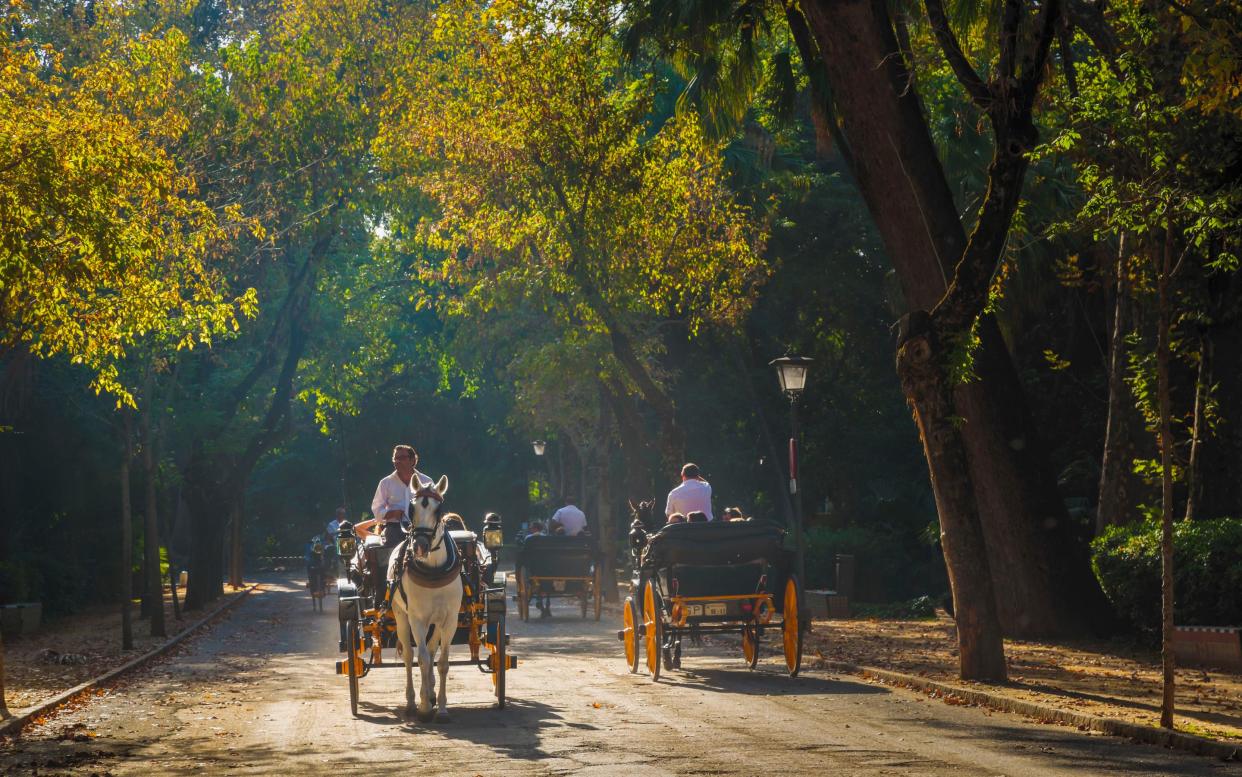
(792, 371)
(540, 446)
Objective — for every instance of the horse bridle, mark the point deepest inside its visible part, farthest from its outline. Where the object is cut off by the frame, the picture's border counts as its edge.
(426, 533)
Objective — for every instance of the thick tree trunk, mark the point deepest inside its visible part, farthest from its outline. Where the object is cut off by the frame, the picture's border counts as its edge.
(127, 536)
(1116, 477)
(236, 555)
(206, 497)
(1047, 587)
(154, 588)
(920, 367)
(1166, 481)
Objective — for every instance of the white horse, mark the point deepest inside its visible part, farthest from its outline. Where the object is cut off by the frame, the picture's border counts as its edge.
(429, 595)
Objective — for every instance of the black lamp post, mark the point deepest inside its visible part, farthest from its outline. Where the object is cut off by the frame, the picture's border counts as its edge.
(792, 371)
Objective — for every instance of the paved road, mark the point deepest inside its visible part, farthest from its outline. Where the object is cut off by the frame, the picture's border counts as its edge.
(257, 695)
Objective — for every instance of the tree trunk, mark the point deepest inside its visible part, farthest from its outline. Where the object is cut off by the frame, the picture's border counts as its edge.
(127, 535)
(205, 497)
(236, 557)
(981, 649)
(1166, 482)
(1048, 587)
(1116, 478)
(4, 707)
(1194, 485)
(154, 587)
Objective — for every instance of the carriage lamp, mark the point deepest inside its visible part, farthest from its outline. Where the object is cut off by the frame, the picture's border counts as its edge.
(540, 446)
(346, 542)
(493, 533)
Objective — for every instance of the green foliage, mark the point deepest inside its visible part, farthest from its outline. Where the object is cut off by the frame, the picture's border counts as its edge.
(891, 565)
(1207, 563)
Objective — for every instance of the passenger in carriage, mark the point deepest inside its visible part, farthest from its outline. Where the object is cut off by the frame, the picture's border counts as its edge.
(571, 519)
(693, 495)
(677, 518)
(541, 599)
(698, 516)
(732, 514)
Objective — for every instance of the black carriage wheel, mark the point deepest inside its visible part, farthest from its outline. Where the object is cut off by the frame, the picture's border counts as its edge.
(502, 660)
(630, 619)
(352, 640)
(750, 645)
(598, 588)
(523, 588)
(653, 638)
(791, 626)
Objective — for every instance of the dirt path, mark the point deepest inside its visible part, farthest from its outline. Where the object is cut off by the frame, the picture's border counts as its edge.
(257, 695)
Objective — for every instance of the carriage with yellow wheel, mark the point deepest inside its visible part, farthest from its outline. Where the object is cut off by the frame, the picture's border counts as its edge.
(694, 579)
(368, 626)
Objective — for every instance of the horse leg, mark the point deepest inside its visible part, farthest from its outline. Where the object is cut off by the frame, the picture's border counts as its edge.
(446, 640)
(424, 665)
(405, 637)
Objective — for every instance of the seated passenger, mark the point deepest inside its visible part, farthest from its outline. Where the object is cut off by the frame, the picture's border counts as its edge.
(555, 528)
(534, 529)
(454, 522)
(570, 517)
(698, 516)
(677, 518)
(733, 514)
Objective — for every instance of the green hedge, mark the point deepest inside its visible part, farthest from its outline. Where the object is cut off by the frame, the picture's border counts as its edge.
(1207, 579)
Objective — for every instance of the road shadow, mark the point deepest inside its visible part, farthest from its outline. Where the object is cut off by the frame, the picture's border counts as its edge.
(1068, 748)
(515, 732)
(764, 681)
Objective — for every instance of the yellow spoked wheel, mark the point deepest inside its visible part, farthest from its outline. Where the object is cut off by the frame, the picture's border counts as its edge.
(354, 641)
(629, 616)
(750, 645)
(791, 631)
(500, 662)
(653, 637)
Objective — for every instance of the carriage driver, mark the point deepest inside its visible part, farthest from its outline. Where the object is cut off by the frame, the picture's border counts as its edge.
(392, 496)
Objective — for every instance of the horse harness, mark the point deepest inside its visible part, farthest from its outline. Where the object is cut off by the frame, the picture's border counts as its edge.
(419, 574)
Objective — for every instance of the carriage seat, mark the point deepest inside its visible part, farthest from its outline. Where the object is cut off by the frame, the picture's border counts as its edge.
(715, 543)
(558, 556)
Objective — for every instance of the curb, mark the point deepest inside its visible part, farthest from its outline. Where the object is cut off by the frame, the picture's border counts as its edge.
(1151, 735)
(13, 726)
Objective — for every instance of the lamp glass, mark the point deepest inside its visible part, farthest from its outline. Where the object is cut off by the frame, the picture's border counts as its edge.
(493, 538)
(793, 377)
(539, 446)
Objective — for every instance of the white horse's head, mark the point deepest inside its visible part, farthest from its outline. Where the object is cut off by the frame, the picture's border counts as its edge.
(426, 507)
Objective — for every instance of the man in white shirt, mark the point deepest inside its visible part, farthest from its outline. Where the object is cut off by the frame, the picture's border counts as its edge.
(391, 502)
(693, 495)
(571, 519)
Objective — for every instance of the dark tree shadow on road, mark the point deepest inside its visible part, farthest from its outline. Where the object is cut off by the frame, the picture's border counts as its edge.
(764, 681)
(1066, 748)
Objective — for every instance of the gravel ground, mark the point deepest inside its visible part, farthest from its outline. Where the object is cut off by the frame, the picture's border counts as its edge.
(257, 695)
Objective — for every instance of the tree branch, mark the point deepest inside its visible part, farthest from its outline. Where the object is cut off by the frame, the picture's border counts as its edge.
(1011, 16)
(979, 92)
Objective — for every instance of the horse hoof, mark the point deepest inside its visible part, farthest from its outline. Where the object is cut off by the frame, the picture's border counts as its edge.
(443, 717)
(425, 717)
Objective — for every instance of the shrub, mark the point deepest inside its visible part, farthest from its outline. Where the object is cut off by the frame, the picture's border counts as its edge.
(890, 565)
(1207, 572)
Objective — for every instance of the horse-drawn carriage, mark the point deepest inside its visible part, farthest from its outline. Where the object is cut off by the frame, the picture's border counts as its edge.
(369, 625)
(708, 578)
(556, 566)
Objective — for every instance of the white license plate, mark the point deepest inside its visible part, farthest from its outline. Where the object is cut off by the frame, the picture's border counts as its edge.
(719, 608)
(558, 585)
(694, 610)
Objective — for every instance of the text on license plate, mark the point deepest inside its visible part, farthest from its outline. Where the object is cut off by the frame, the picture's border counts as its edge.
(715, 608)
